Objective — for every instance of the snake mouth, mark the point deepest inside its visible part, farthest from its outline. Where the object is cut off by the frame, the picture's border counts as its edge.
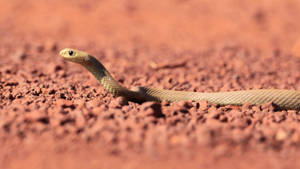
(65, 53)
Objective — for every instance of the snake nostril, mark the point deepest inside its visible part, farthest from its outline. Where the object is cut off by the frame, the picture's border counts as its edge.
(71, 52)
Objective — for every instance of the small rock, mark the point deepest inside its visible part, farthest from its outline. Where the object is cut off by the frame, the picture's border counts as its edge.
(57, 68)
(34, 115)
(213, 113)
(64, 103)
(185, 104)
(237, 114)
(279, 117)
(92, 104)
(203, 105)
(246, 106)
(165, 103)
(281, 135)
(268, 106)
(119, 102)
(240, 123)
(152, 109)
(79, 103)
(223, 118)
(100, 109)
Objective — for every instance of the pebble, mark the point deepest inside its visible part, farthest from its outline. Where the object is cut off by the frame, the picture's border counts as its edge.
(64, 103)
(203, 105)
(119, 102)
(152, 109)
(281, 135)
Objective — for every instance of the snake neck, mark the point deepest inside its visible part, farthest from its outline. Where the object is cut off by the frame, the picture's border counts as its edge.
(108, 82)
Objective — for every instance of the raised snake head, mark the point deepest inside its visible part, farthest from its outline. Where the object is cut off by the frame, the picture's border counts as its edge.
(75, 55)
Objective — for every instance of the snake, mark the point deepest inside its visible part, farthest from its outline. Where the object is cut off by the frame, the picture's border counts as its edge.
(282, 98)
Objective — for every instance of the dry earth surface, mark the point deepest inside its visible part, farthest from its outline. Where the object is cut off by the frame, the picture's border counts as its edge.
(54, 114)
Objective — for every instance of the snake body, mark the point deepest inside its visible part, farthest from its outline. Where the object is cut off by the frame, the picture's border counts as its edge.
(284, 99)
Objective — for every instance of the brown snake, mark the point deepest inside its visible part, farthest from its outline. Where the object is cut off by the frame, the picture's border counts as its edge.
(284, 99)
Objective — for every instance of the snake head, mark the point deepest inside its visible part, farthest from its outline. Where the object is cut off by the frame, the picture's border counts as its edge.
(74, 55)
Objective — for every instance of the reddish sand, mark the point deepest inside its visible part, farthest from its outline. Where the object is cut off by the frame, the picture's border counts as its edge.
(54, 114)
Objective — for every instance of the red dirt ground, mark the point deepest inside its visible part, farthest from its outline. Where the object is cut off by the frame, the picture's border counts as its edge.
(54, 114)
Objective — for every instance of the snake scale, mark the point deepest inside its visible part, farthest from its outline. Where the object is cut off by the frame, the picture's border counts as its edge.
(284, 99)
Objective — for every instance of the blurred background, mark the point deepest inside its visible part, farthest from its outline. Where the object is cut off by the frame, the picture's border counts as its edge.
(175, 23)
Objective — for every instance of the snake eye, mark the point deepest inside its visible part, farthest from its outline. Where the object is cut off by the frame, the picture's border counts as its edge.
(71, 52)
